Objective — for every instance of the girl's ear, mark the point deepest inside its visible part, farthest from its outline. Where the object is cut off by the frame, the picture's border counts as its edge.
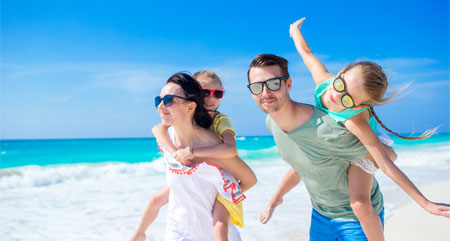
(359, 107)
(342, 71)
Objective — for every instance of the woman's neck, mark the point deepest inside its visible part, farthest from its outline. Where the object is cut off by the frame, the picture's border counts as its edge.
(186, 134)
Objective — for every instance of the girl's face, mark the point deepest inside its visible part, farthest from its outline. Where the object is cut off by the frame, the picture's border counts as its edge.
(179, 110)
(211, 102)
(354, 87)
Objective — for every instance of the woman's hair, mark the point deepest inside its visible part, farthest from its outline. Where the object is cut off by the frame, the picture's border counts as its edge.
(207, 74)
(264, 60)
(193, 92)
(375, 84)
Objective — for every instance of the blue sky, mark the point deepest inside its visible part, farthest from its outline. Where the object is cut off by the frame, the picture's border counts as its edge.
(88, 69)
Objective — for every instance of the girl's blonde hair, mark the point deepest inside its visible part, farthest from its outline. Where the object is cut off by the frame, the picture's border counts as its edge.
(207, 74)
(375, 84)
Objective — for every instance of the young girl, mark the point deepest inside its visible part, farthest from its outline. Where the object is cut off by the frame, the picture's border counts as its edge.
(223, 209)
(349, 98)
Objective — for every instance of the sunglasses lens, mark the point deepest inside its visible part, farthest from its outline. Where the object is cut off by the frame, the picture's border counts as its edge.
(168, 100)
(347, 101)
(206, 93)
(274, 84)
(339, 85)
(157, 101)
(218, 94)
(256, 88)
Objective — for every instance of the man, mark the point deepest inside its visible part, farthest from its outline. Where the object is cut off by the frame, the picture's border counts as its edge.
(317, 148)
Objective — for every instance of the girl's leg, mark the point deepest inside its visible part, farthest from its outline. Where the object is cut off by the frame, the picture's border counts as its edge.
(360, 185)
(220, 221)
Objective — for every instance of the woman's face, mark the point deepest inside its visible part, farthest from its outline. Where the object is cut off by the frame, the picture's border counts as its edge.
(211, 102)
(179, 110)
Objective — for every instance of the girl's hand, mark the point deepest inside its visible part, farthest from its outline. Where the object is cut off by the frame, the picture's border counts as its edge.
(439, 209)
(184, 156)
(296, 26)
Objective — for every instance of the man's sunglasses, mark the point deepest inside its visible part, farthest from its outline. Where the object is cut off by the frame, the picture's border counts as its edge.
(216, 93)
(272, 84)
(167, 100)
(339, 86)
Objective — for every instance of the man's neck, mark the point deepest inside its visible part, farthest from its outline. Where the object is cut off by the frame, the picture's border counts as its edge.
(292, 115)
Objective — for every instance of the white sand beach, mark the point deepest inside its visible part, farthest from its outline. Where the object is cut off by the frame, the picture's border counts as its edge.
(410, 222)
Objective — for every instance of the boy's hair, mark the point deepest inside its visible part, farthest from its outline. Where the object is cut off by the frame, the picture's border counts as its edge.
(264, 60)
(375, 84)
(207, 74)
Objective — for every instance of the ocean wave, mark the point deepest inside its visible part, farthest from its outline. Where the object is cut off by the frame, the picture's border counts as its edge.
(259, 154)
(431, 156)
(41, 176)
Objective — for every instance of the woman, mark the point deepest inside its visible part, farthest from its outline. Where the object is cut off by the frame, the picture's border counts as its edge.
(193, 189)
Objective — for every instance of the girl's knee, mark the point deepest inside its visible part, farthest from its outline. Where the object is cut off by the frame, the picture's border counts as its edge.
(361, 206)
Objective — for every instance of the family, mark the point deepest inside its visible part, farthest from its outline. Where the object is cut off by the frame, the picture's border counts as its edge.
(334, 147)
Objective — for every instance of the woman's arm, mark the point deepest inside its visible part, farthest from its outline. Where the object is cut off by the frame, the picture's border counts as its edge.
(359, 126)
(160, 133)
(237, 168)
(317, 69)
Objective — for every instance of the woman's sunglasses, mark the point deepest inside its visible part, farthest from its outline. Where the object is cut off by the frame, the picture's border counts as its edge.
(216, 93)
(272, 84)
(339, 86)
(167, 100)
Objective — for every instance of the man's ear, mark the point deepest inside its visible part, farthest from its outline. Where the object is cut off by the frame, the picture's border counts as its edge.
(289, 84)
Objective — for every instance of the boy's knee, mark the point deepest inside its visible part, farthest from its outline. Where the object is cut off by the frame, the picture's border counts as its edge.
(221, 224)
(155, 201)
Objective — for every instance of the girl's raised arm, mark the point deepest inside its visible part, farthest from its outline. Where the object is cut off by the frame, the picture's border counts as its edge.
(317, 69)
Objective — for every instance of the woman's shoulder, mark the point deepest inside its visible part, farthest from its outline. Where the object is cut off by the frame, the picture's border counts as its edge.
(207, 137)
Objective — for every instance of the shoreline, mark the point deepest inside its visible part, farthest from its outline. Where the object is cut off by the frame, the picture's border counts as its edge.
(408, 221)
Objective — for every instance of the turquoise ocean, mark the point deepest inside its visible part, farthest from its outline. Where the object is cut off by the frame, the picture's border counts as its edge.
(97, 189)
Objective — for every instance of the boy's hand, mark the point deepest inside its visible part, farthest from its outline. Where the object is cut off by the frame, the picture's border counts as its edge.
(295, 26)
(185, 156)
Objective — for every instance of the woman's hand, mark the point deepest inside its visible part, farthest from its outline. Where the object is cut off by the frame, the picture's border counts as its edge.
(296, 27)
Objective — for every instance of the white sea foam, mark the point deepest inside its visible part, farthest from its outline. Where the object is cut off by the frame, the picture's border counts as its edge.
(39, 176)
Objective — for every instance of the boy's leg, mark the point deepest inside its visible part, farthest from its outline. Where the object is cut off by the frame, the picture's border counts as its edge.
(220, 221)
(360, 186)
(151, 212)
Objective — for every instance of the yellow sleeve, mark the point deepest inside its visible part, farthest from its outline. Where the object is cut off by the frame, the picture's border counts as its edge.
(220, 124)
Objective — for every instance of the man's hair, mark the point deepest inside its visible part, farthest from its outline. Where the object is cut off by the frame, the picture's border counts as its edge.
(264, 60)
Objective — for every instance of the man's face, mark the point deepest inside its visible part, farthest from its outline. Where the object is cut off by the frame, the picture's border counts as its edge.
(270, 101)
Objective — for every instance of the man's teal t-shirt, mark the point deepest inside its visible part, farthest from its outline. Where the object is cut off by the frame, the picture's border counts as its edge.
(321, 151)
